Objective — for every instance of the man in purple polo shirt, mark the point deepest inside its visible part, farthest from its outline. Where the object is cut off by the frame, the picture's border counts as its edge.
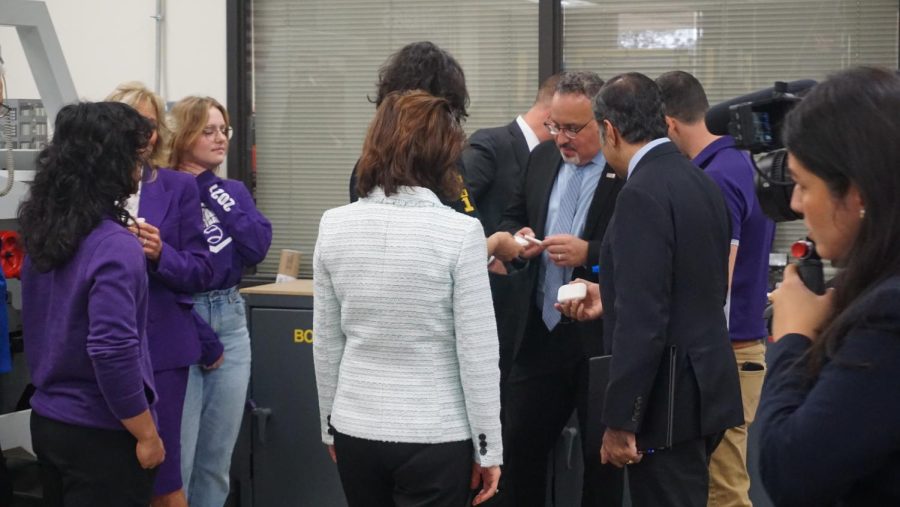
(685, 106)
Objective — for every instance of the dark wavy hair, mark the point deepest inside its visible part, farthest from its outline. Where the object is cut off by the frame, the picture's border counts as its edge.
(845, 132)
(414, 140)
(633, 104)
(85, 174)
(424, 66)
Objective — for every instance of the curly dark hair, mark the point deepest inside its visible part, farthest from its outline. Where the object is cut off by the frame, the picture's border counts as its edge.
(424, 66)
(414, 140)
(85, 174)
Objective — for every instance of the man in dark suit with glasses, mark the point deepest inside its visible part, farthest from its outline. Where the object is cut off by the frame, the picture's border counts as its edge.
(566, 199)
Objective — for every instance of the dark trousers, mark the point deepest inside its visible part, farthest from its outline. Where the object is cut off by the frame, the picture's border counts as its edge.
(90, 467)
(548, 382)
(388, 474)
(675, 476)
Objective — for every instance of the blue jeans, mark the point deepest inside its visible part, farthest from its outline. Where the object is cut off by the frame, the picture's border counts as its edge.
(214, 404)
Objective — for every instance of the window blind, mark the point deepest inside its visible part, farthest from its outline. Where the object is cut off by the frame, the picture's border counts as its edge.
(733, 46)
(315, 63)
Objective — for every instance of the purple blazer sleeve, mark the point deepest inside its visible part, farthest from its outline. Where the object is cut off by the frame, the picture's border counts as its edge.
(184, 264)
(234, 206)
(211, 348)
(116, 275)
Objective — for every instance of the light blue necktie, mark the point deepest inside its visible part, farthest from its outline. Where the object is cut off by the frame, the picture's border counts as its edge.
(555, 276)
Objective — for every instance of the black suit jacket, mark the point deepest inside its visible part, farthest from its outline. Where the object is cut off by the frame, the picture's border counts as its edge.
(528, 207)
(663, 279)
(493, 165)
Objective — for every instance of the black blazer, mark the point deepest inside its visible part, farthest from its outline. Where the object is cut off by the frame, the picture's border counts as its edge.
(833, 440)
(528, 207)
(493, 165)
(663, 279)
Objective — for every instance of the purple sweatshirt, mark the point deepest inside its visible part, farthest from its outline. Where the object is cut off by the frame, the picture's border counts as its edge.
(84, 327)
(238, 235)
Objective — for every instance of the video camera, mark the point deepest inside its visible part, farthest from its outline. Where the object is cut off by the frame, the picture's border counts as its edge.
(754, 120)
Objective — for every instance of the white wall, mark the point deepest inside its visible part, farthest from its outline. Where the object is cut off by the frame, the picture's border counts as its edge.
(106, 42)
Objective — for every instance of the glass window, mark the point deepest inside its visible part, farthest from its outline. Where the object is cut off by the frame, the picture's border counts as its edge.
(733, 46)
(315, 63)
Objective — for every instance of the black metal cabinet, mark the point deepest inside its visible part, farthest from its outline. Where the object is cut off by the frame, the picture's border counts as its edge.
(280, 459)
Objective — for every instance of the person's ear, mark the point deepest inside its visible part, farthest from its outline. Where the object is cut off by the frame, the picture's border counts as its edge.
(854, 200)
(672, 123)
(611, 134)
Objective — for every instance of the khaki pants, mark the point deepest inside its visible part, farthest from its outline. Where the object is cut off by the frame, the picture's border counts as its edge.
(729, 482)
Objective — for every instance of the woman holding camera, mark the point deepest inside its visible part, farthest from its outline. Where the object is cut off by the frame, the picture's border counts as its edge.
(829, 411)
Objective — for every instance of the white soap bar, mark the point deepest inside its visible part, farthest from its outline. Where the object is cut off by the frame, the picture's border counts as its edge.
(571, 292)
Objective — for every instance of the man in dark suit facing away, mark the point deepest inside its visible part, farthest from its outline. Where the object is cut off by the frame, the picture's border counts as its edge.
(673, 388)
(495, 160)
(566, 198)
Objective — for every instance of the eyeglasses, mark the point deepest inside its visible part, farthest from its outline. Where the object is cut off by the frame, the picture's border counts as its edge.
(210, 131)
(569, 132)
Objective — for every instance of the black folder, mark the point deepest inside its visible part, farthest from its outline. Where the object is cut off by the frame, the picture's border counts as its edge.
(598, 379)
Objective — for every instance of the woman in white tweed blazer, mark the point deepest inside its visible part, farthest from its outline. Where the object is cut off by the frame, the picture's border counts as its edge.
(405, 341)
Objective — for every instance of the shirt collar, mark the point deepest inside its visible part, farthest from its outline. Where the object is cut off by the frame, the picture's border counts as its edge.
(643, 151)
(530, 137)
(405, 195)
(712, 148)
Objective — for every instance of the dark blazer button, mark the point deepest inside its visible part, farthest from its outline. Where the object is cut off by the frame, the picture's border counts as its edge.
(330, 431)
(482, 437)
(483, 444)
(483, 451)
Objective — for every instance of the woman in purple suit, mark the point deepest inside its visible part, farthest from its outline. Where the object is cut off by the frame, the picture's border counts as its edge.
(84, 293)
(167, 222)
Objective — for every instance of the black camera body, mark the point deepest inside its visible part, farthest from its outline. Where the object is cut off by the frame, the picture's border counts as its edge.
(754, 121)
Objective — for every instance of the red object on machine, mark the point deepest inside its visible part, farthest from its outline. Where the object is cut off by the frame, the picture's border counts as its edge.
(11, 254)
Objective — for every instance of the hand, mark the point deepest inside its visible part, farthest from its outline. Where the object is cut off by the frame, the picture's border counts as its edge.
(332, 453)
(150, 451)
(497, 267)
(148, 235)
(566, 250)
(533, 249)
(589, 308)
(502, 246)
(796, 309)
(489, 478)
(619, 448)
(216, 364)
(191, 168)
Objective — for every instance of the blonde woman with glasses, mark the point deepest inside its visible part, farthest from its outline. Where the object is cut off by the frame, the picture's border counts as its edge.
(238, 236)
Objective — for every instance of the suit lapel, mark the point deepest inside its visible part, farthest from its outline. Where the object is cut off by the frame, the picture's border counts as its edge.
(520, 145)
(602, 195)
(155, 199)
(546, 185)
